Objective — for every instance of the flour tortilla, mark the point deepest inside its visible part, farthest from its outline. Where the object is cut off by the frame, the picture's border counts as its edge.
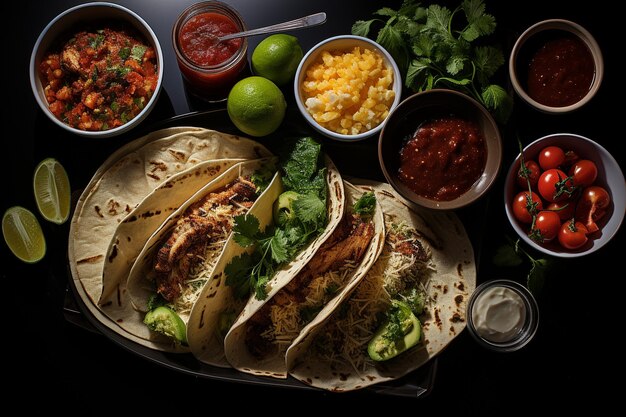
(275, 366)
(449, 287)
(217, 297)
(132, 233)
(121, 183)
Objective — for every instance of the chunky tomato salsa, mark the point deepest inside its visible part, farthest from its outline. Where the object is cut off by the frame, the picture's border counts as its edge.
(99, 80)
(443, 158)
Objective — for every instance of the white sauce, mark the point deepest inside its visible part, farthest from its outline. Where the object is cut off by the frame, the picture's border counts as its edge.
(498, 314)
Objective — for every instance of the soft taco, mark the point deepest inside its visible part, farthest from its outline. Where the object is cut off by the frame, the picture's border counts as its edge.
(258, 342)
(114, 194)
(407, 308)
(270, 248)
(178, 259)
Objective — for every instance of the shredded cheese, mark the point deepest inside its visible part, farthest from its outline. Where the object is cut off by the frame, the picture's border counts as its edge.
(353, 324)
(288, 319)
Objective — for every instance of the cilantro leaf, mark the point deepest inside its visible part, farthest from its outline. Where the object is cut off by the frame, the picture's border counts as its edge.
(124, 53)
(391, 39)
(278, 245)
(455, 64)
(238, 273)
(438, 18)
(310, 209)
(386, 11)
(473, 9)
(300, 165)
(366, 205)
(362, 27)
(245, 230)
(260, 288)
(537, 275)
(417, 74)
(423, 45)
(487, 60)
(497, 100)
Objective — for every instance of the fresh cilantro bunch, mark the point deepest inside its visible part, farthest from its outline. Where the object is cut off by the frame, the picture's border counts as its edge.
(436, 47)
(303, 172)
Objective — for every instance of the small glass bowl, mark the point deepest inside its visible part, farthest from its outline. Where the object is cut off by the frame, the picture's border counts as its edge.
(211, 83)
(529, 327)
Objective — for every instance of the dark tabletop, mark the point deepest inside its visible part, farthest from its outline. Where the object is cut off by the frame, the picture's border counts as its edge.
(56, 365)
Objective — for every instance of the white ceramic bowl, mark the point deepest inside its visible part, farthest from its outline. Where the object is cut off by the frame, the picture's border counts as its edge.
(74, 18)
(610, 177)
(344, 43)
(519, 54)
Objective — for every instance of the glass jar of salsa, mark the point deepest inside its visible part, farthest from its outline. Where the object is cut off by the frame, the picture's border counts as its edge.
(209, 67)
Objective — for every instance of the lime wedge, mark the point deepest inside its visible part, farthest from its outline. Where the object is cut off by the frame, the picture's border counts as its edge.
(23, 234)
(52, 191)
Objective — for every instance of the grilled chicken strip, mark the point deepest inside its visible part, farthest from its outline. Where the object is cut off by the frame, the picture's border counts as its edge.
(186, 244)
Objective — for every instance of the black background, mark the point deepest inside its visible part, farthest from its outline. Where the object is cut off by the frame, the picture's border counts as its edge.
(55, 365)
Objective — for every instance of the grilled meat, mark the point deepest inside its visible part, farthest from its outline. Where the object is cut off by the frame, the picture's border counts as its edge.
(198, 227)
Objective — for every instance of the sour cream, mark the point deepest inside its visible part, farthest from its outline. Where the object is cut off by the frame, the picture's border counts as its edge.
(499, 314)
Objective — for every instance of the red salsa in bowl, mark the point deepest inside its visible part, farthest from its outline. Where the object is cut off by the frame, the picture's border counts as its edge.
(209, 67)
(561, 71)
(443, 159)
(440, 149)
(556, 66)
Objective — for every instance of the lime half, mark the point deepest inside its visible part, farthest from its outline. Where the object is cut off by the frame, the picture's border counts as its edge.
(52, 191)
(23, 234)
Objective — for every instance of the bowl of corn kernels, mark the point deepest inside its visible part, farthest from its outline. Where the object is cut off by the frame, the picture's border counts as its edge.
(346, 86)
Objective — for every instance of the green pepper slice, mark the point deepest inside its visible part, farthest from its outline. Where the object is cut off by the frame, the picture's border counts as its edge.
(401, 331)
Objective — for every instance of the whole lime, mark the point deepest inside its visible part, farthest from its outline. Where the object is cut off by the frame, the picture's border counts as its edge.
(256, 106)
(277, 57)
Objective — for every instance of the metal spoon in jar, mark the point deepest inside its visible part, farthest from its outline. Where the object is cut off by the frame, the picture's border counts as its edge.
(307, 21)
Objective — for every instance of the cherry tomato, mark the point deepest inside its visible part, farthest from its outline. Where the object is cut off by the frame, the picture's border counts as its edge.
(551, 157)
(534, 172)
(548, 224)
(520, 206)
(584, 173)
(592, 207)
(571, 157)
(565, 209)
(554, 186)
(572, 234)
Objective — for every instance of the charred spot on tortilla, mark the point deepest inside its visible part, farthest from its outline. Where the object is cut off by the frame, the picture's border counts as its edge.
(177, 154)
(438, 321)
(119, 295)
(113, 206)
(90, 260)
(456, 318)
(98, 211)
(153, 176)
(158, 166)
(452, 330)
(130, 219)
(445, 289)
(460, 286)
(201, 324)
(458, 299)
(459, 270)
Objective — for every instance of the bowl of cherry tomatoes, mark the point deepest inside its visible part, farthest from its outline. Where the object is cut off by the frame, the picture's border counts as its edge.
(569, 200)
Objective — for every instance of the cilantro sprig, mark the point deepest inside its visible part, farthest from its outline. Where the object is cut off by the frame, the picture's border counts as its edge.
(437, 47)
(304, 173)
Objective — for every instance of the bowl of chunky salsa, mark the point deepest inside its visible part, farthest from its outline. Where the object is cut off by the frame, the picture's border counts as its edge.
(96, 70)
(440, 149)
